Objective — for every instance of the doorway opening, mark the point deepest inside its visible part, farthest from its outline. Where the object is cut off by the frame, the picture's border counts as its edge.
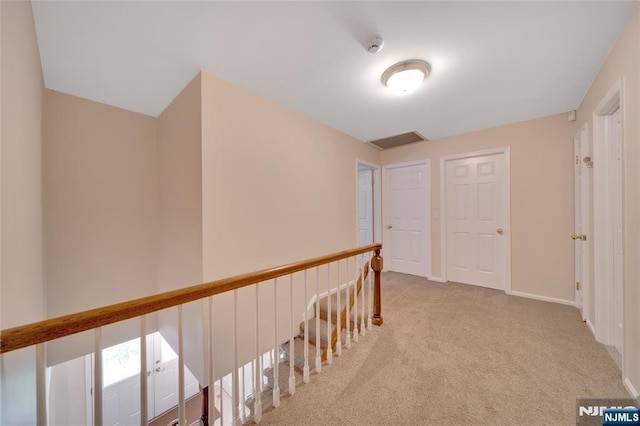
(608, 185)
(368, 203)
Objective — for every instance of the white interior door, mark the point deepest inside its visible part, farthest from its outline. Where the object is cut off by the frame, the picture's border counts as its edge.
(476, 230)
(578, 226)
(582, 220)
(407, 221)
(121, 376)
(166, 377)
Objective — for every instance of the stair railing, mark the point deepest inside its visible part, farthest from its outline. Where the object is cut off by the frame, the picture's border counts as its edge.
(38, 334)
(343, 319)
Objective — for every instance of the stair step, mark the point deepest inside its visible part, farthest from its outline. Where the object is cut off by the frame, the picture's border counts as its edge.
(298, 347)
(351, 325)
(321, 340)
(266, 395)
(283, 376)
(324, 305)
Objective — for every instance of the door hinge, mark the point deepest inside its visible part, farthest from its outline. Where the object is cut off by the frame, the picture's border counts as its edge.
(577, 160)
(577, 286)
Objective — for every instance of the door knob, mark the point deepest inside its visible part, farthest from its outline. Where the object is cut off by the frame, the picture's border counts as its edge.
(500, 231)
(579, 237)
(158, 369)
(148, 373)
(389, 226)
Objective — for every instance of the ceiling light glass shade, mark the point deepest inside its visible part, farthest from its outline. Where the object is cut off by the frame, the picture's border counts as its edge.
(405, 77)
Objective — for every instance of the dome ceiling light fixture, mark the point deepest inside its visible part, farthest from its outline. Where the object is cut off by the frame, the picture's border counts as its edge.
(406, 76)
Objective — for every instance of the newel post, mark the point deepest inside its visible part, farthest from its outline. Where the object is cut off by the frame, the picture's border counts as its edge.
(376, 265)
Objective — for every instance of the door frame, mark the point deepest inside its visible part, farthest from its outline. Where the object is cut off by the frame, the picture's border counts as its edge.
(506, 151)
(386, 209)
(604, 300)
(377, 199)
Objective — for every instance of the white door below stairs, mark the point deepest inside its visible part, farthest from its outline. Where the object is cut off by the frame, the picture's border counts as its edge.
(121, 372)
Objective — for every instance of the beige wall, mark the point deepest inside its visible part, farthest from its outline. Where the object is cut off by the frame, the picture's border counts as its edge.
(180, 191)
(21, 167)
(624, 63)
(277, 187)
(541, 198)
(100, 226)
(100, 168)
(180, 214)
(21, 276)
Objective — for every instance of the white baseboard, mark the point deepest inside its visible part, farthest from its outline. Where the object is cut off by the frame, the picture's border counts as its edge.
(591, 328)
(542, 298)
(437, 279)
(630, 388)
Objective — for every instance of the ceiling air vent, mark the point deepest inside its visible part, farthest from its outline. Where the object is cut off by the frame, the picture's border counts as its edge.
(397, 140)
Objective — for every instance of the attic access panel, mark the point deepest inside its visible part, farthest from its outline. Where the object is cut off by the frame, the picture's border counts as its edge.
(397, 140)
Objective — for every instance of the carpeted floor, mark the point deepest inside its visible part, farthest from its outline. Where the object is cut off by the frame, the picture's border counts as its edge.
(454, 354)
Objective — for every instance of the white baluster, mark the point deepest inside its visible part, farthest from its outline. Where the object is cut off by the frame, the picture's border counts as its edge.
(97, 378)
(318, 351)
(144, 414)
(355, 299)
(276, 350)
(347, 322)
(222, 410)
(235, 403)
(182, 411)
(329, 349)
(362, 292)
(212, 392)
(41, 385)
(243, 394)
(292, 358)
(257, 384)
(305, 369)
(339, 315)
(370, 300)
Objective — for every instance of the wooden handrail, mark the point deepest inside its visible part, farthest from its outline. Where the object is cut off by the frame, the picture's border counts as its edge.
(43, 331)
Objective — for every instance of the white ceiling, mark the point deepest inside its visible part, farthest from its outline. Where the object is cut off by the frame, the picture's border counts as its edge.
(492, 62)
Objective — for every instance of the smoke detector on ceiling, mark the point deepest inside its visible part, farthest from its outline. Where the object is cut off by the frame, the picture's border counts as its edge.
(375, 44)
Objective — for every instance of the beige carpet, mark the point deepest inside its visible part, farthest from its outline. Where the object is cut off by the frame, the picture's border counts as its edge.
(455, 354)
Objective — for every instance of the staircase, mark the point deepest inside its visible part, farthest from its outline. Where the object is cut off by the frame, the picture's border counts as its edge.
(336, 320)
(323, 338)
